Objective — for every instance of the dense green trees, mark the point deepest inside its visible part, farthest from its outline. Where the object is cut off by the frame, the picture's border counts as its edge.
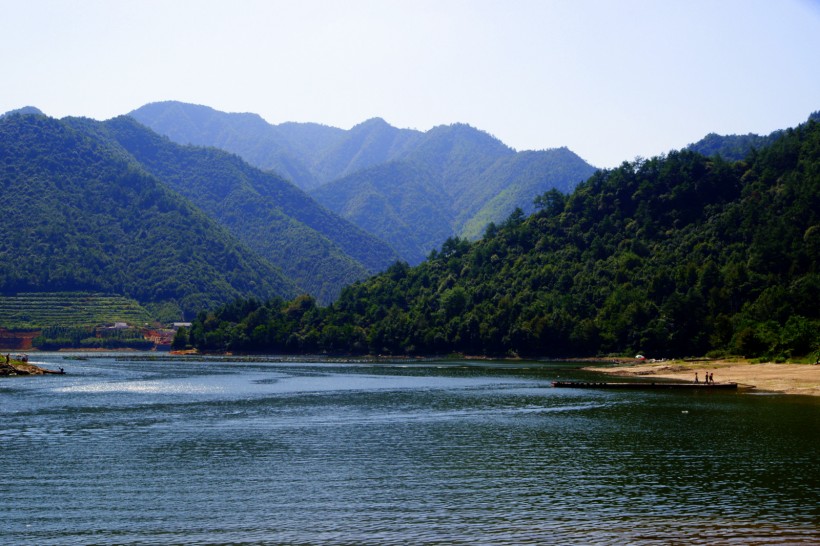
(78, 337)
(113, 207)
(318, 250)
(672, 256)
(80, 215)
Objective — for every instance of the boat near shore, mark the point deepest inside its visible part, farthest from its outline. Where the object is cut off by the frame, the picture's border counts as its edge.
(643, 385)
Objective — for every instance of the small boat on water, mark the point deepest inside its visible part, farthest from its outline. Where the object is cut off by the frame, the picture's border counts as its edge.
(643, 385)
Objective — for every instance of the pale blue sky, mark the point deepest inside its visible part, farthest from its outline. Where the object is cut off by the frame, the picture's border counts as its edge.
(611, 80)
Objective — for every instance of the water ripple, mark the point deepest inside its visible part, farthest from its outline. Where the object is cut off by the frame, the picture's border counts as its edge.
(141, 454)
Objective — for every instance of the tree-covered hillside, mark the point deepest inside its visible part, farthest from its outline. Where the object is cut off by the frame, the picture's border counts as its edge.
(308, 154)
(732, 147)
(417, 203)
(315, 248)
(672, 256)
(737, 147)
(512, 182)
(23, 110)
(400, 202)
(76, 214)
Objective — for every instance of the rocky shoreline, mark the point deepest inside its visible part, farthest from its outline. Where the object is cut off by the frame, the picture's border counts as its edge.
(14, 367)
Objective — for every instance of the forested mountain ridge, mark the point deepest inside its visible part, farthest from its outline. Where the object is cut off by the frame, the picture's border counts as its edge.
(737, 147)
(318, 250)
(676, 255)
(76, 214)
(285, 149)
(513, 181)
(308, 154)
(23, 110)
(405, 204)
(732, 147)
(370, 143)
(476, 177)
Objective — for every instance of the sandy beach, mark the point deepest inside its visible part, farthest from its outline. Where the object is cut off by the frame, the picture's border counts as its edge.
(783, 378)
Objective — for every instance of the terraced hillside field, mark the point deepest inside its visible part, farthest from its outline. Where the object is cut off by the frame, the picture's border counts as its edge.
(37, 310)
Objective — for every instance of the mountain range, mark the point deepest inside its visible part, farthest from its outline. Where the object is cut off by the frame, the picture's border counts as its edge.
(86, 203)
(409, 188)
(118, 208)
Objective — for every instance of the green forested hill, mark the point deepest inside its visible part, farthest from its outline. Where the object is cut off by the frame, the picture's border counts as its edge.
(737, 147)
(77, 214)
(453, 180)
(475, 178)
(672, 256)
(732, 147)
(399, 201)
(512, 182)
(407, 204)
(318, 250)
(23, 110)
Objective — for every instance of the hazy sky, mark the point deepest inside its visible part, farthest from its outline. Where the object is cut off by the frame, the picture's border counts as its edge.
(609, 79)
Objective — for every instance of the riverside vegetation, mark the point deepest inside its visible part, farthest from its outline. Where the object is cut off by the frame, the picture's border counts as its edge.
(682, 254)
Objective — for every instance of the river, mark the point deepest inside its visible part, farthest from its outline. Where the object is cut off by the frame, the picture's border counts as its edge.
(154, 449)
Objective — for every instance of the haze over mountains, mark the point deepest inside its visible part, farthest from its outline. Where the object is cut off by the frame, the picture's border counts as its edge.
(409, 188)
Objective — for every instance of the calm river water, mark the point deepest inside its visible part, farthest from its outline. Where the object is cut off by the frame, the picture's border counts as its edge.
(163, 450)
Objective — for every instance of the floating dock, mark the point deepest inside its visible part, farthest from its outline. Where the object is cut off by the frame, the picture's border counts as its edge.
(644, 385)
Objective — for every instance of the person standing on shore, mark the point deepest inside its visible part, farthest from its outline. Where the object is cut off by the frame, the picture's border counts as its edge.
(696, 377)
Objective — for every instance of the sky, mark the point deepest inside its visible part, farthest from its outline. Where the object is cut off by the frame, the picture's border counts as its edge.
(612, 80)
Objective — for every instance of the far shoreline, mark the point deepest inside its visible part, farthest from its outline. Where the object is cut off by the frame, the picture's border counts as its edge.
(769, 377)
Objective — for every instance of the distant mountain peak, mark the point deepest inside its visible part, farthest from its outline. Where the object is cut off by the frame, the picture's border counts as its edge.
(372, 122)
(465, 130)
(28, 110)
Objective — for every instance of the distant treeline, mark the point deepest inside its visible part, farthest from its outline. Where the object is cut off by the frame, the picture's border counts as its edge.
(677, 255)
(57, 337)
